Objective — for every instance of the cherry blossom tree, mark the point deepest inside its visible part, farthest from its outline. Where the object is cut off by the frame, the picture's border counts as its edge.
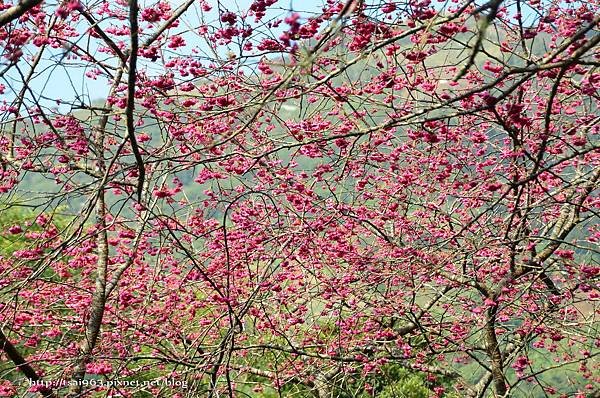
(272, 199)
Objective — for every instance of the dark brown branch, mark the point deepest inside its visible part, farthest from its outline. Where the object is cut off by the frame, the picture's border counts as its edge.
(493, 7)
(103, 35)
(15, 356)
(131, 80)
(17, 10)
(178, 12)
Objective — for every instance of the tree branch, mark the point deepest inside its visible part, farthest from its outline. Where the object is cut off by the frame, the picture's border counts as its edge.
(131, 80)
(17, 10)
(92, 331)
(13, 354)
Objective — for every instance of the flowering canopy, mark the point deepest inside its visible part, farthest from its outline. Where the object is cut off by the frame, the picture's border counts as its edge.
(248, 197)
